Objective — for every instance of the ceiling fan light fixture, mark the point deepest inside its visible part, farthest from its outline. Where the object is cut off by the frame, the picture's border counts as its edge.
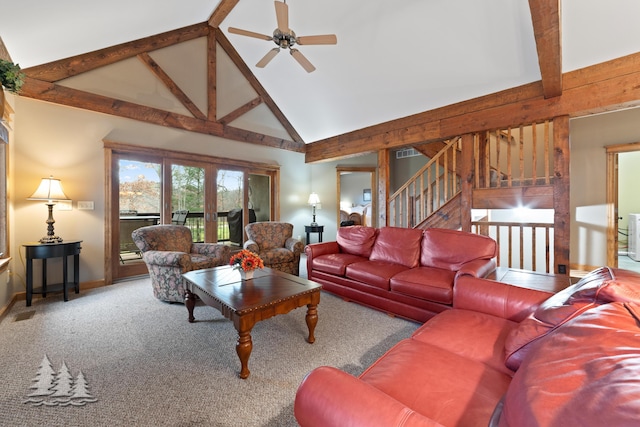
(285, 38)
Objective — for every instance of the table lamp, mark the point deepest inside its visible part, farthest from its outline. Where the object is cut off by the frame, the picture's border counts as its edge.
(314, 201)
(49, 190)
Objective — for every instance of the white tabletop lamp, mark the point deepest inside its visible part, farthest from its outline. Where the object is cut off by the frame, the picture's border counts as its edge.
(49, 190)
(314, 201)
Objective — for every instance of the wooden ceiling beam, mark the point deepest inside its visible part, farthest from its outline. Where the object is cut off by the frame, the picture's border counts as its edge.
(51, 92)
(546, 18)
(616, 83)
(68, 67)
(240, 111)
(171, 85)
(4, 53)
(253, 81)
(224, 8)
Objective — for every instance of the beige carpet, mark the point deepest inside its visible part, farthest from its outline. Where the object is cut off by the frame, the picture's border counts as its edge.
(138, 362)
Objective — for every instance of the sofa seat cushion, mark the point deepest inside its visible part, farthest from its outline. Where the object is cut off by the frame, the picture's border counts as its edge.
(335, 263)
(428, 283)
(470, 334)
(600, 286)
(374, 273)
(397, 245)
(443, 386)
(584, 373)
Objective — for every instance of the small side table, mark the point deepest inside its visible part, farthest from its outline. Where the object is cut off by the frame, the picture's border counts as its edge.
(44, 251)
(314, 229)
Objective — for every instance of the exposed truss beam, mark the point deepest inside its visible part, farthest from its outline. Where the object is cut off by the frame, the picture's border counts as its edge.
(546, 18)
(64, 68)
(221, 12)
(171, 85)
(617, 83)
(57, 94)
(253, 81)
(238, 112)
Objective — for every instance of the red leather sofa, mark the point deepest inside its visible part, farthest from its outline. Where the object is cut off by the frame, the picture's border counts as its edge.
(503, 356)
(407, 272)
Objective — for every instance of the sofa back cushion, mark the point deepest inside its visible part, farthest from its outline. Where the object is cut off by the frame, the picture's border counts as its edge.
(584, 373)
(397, 245)
(450, 249)
(601, 286)
(356, 240)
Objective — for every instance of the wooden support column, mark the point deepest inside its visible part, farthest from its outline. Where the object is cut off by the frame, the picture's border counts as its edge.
(561, 218)
(383, 187)
(466, 176)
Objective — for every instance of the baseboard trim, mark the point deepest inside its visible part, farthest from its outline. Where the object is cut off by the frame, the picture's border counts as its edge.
(22, 296)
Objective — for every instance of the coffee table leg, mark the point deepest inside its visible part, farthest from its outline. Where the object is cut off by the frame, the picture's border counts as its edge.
(312, 321)
(243, 348)
(190, 302)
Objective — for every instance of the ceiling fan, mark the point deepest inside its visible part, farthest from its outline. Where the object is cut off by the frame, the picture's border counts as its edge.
(285, 38)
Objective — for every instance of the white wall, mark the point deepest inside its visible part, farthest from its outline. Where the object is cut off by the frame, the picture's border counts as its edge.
(589, 137)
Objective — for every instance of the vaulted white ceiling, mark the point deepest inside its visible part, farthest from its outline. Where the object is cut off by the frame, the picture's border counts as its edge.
(393, 59)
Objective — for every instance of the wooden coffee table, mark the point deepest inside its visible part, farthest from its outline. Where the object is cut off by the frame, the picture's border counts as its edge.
(247, 302)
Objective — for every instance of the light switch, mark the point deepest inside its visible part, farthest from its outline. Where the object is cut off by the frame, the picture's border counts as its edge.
(64, 205)
(85, 205)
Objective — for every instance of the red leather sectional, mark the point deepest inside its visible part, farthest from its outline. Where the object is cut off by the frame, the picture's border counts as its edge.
(407, 272)
(502, 356)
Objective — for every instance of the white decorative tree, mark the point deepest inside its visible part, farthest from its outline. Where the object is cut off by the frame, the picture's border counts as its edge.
(43, 381)
(63, 383)
(80, 391)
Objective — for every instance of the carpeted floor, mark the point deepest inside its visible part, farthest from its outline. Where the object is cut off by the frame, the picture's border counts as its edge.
(138, 362)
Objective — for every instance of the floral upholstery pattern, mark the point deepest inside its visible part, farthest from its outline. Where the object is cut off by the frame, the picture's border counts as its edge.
(168, 251)
(274, 243)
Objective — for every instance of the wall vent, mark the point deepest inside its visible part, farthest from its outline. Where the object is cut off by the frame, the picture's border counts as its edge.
(406, 152)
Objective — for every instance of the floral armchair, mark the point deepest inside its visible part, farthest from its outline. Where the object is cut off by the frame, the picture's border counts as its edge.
(168, 251)
(274, 243)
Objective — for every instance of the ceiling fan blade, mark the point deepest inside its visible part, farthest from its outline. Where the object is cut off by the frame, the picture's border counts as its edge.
(268, 57)
(282, 15)
(323, 39)
(302, 60)
(249, 33)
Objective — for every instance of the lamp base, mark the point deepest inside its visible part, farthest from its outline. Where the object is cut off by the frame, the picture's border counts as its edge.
(51, 239)
(314, 224)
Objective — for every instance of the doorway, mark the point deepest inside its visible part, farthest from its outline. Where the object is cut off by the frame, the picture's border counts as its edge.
(622, 174)
(356, 201)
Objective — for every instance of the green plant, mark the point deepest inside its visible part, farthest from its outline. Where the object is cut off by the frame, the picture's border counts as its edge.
(10, 76)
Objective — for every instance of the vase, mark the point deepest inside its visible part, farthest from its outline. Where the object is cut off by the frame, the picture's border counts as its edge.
(246, 275)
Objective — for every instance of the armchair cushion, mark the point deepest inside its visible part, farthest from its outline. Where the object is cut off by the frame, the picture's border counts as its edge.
(168, 252)
(273, 242)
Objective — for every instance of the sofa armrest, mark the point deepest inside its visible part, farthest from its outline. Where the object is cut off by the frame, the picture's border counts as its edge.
(213, 250)
(252, 246)
(317, 249)
(496, 298)
(477, 268)
(330, 397)
(166, 258)
(294, 245)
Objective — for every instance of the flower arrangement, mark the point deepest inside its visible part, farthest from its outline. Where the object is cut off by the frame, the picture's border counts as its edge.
(246, 260)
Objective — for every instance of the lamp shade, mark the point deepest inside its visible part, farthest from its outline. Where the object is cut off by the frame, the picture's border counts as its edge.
(50, 190)
(313, 199)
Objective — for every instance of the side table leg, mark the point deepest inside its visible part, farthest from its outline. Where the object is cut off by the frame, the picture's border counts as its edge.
(76, 273)
(65, 278)
(312, 321)
(243, 348)
(190, 302)
(29, 281)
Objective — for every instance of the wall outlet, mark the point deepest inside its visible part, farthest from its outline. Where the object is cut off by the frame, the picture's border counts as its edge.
(64, 205)
(85, 205)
